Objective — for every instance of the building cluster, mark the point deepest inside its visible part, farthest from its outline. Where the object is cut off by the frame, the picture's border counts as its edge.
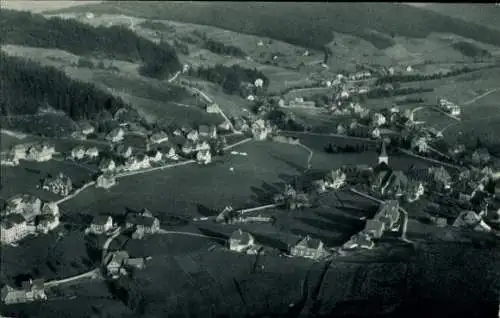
(41, 151)
(299, 102)
(261, 129)
(333, 180)
(387, 218)
(101, 224)
(291, 199)
(106, 180)
(60, 184)
(80, 152)
(449, 107)
(24, 215)
(32, 290)
(142, 223)
(119, 263)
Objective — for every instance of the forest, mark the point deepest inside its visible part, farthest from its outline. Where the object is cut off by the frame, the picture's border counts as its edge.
(115, 42)
(232, 78)
(223, 49)
(27, 86)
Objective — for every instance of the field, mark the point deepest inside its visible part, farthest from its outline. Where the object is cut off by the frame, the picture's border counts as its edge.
(56, 255)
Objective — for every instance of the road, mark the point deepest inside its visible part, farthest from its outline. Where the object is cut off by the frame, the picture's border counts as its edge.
(165, 232)
(409, 153)
(475, 99)
(327, 135)
(106, 244)
(238, 143)
(309, 158)
(93, 274)
(242, 211)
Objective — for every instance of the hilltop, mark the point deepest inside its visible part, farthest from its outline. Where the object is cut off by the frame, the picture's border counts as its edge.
(313, 23)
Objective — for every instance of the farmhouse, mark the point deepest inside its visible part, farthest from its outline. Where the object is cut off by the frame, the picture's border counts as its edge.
(319, 186)
(389, 182)
(378, 119)
(60, 185)
(78, 152)
(335, 179)
(30, 291)
(204, 145)
(155, 155)
(46, 223)
(204, 157)
(361, 240)
(225, 126)
(106, 181)
(260, 129)
(92, 152)
(25, 204)
(158, 137)
(143, 222)
(13, 227)
(188, 148)
(375, 228)
(172, 154)
(101, 224)
(481, 156)
(40, 152)
(116, 135)
(470, 219)
(115, 261)
(50, 208)
(415, 190)
(107, 164)
(440, 177)
(240, 241)
(309, 248)
(420, 144)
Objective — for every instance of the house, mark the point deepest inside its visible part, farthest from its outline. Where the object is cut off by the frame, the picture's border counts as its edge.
(361, 240)
(204, 157)
(40, 152)
(123, 151)
(92, 152)
(13, 228)
(172, 154)
(158, 137)
(101, 224)
(212, 108)
(78, 152)
(115, 261)
(375, 133)
(375, 228)
(225, 126)
(193, 135)
(204, 145)
(32, 290)
(87, 128)
(60, 185)
(46, 223)
(441, 177)
(138, 162)
(106, 181)
(415, 191)
(258, 82)
(144, 222)
(388, 213)
(188, 148)
(50, 208)
(378, 120)
(24, 204)
(420, 144)
(341, 129)
(390, 183)
(335, 179)
(319, 186)
(309, 248)
(260, 129)
(19, 151)
(481, 156)
(9, 160)
(107, 165)
(471, 220)
(155, 155)
(240, 241)
(116, 135)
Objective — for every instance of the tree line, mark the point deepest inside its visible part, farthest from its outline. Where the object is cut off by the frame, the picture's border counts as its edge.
(28, 86)
(115, 42)
(223, 49)
(231, 78)
(422, 77)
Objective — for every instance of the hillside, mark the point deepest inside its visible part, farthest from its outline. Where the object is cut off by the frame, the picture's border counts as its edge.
(23, 28)
(312, 25)
(481, 13)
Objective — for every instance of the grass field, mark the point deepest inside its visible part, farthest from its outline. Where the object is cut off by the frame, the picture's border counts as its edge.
(46, 256)
(25, 177)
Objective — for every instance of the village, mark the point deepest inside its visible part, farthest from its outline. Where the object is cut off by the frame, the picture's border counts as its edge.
(467, 178)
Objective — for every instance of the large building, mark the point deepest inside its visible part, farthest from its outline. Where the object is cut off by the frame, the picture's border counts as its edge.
(309, 248)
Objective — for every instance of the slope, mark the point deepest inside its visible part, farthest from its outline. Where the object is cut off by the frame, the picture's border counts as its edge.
(306, 24)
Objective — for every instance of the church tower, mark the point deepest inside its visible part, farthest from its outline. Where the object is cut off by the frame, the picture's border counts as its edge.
(383, 158)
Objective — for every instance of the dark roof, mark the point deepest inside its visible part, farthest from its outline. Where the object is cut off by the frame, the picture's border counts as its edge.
(12, 219)
(100, 219)
(309, 242)
(241, 236)
(45, 218)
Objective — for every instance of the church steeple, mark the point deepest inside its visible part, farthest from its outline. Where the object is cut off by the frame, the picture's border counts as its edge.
(383, 158)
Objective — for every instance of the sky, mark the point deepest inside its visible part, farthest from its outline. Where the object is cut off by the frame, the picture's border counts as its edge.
(41, 5)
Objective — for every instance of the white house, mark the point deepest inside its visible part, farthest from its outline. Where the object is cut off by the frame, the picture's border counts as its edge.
(213, 108)
(335, 179)
(105, 181)
(251, 98)
(78, 152)
(13, 228)
(378, 119)
(420, 144)
(260, 129)
(155, 156)
(124, 151)
(203, 157)
(87, 129)
(259, 82)
(240, 241)
(172, 154)
(225, 125)
(46, 223)
(116, 135)
(101, 224)
(375, 133)
(92, 152)
(193, 135)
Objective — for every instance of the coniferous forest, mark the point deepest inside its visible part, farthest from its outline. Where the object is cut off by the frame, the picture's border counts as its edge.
(115, 42)
(27, 86)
